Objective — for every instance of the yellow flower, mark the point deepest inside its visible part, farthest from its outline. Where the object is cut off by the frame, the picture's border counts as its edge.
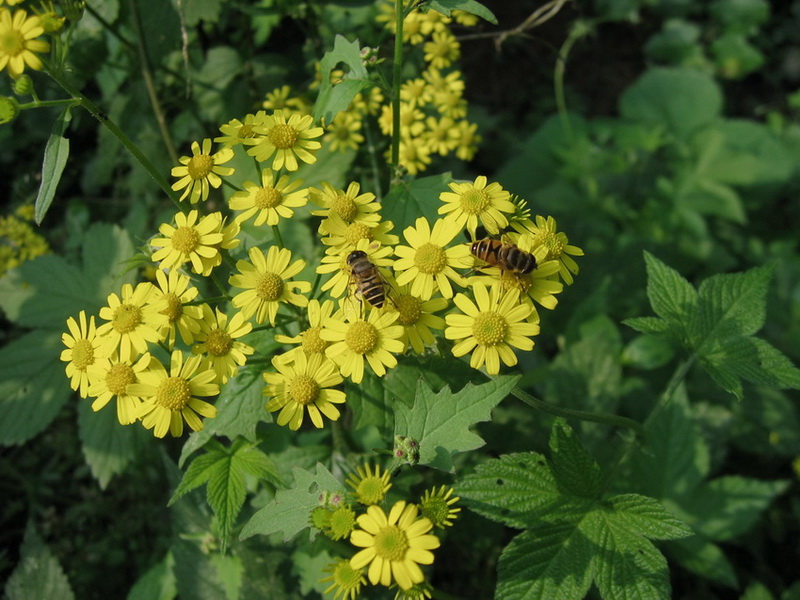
(417, 319)
(427, 264)
(468, 140)
(302, 386)
(265, 281)
(84, 349)
(437, 505)
(357, 340)
(469, 204)
(171, 397)
(450, 104)
(414, 155)
(343, 237)
(441, 135)
(393, 546)
(443, 50)
(310, 341)
(218, 341)
(490, 326)
(288, 138)
(412, 120)
(17, 43)
(370, 486)
(279, 98)
(452, 82)
(132, 321)
(190, 241)
(343, 132)
(349, 205)
(171, 298)
(236, 132)
(554, 242)
(269, 201)
(110, 379)
(201, 170)
(378, 255)
(346, 580)
(415, 92)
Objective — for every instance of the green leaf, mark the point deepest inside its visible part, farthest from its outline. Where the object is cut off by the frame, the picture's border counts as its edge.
(331, 167)
(198, 574)
(552, 561)
(33, 385)
(289, 511)
(38, 574)
(308, 563)
(440, 422)
(371, 402)
(647, 351)
(230, 573)
(698, 555)
(108, 447)
(335, 98)
(55, 159)
(470, 6)
(682, 99)
(671, 296)
(408, 200)
(158, 583)
(576, 472)
(106, 252)
(646, 517)
(648, 324)
(195, 11)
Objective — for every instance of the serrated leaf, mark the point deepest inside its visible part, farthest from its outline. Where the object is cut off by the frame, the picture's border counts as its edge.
(671, 296)
(33, 385)
(471, 6)
(647, 324)
(408, 200)
(576, 472)
(518, 490)
(752, 359)
(552, 561)
(230, 573)
(289, 511)
(308, 563)
(698, 555)
(440, 422)
(646, 517)
(38, 574)
(107, 446)
(55, 159)
(335, 98)
(158, 583)
(371, 402)
(195, 572)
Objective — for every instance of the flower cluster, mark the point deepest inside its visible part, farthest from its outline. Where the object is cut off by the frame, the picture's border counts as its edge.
(19, 43)
(389, 545)
(18, 240)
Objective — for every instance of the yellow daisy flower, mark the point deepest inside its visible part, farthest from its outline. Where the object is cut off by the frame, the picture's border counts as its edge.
(452, 82)
(346, 580)
(288, 137)
(217, 340)
(171, 397)
(310, 342)
(412, 120)
(415, 92)
(414, 154)
(110, 379)
(18, 45)
(201, 170)
(490, 326)
(342, 237)
(349, 205)
(343, 132)
(393, 546)
(417, 318)
(418, 591)
(427, 264)
(235, 132)
(85, 347)
(133, 321)
(468, 140)
(303, 386)
(189, 241)
(437, 505)
(441, 135)
(356, 340)
(471, 204)
(450, 104)
(443, 50)
(554, 242)
(172, 296)
(269, 201)
(370, 486)
(342, 277)
(280, 98)
(265, 281)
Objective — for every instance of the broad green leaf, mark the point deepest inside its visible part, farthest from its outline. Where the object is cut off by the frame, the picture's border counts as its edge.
(648, 324)
(470, 6)
(409, 200)
(371, 402)
(108, 447)
(766, 423)
(698, 555)
(290, 509)
(646, 517)
(55, 159)
(576, 472)
(647, 351)
(334, 98)
(440, 422)
(196, 571)
(106, 252)
(156, 584)
(671, 296)
(551, 561)
(682, 99)
(38, 574)
(195, 11)
(230, 573)
(33, 385)
(307, 563)
(727, 507)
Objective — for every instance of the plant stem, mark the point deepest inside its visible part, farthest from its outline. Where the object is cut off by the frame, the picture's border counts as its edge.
(277, 233)
(397, 71)
(578, 31)
(47, 103)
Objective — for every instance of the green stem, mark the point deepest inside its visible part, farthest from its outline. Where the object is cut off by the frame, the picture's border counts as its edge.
(397, 72)
(578, 31)
(95, 111)
(570, 413)
(45, 103)
(277, 233)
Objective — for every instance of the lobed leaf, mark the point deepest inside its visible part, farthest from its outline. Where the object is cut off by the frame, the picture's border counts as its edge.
(158, 583)
(646, 517)
(576, 472)
(671, 296)
(38, 574)
(334, 98)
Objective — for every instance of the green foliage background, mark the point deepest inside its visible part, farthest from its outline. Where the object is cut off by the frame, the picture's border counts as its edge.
(672, 158)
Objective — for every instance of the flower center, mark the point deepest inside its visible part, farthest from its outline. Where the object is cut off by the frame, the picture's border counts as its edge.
(267, 197)
(346, 577)
(185, 239)
(200, 166)
(303, 389)
(357, 231)
(552, 243)
(118, 378)
(12, 42)
(246, 132)
(82, 354)
(371, 490)
(345, 208)
(410, 309)
(391, 543)
(283, 136)
(312, 343)
(219, 342)
(430, 258)
(489, 328)
(474, 201)
(269, 287)
(127, 317)
(173, 393)
(174, 308)
(361, 337)
(343, 521)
